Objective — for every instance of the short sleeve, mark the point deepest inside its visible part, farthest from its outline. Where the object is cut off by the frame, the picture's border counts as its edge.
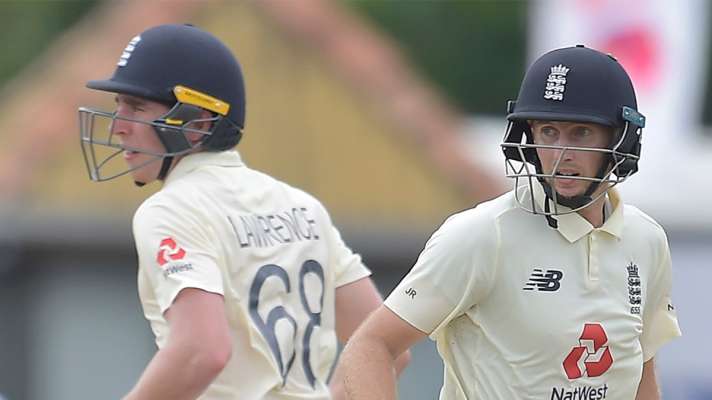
(175, 251)
(659, 317)
(453, 272)
(348, 265)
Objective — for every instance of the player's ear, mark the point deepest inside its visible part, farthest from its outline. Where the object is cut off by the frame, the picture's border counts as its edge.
(195, 137)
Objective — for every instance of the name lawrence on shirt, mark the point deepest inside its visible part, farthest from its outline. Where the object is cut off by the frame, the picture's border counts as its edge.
(273, 229)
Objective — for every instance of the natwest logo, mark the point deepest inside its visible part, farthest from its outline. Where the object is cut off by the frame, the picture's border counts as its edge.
(169, 251)
(580, 393)
(592, 356)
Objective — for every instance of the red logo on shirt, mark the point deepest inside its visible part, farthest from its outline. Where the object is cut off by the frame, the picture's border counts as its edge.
(169, 251)
(592, 357)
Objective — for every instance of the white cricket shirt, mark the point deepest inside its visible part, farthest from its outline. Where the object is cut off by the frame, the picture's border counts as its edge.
(272, 252)
(520, 310)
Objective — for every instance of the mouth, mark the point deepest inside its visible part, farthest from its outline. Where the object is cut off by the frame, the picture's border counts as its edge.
(566, 174)
(129, 154)
(566, 179)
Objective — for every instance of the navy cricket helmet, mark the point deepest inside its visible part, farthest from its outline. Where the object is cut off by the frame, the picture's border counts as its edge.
(187, 69)
(575, 84)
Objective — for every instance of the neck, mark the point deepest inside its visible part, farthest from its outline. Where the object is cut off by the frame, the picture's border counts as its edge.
(594, 212)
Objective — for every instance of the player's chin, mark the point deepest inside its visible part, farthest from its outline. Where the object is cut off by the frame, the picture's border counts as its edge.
(143, 175)
(569, 187)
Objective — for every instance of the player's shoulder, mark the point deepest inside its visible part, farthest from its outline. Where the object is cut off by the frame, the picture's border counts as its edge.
(639, 223)
(169, 203)
(298, 193)
(481, 218)
(150, 209)
(637, 218)
(295, 195)
(169, 196)
(488, 210)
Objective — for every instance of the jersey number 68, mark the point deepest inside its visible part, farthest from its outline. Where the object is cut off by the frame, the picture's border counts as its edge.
(267, 327)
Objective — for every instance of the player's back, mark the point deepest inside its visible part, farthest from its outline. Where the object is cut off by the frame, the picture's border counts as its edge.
(277, 259)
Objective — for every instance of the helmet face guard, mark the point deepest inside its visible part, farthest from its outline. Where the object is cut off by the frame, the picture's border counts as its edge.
(573, 84)
(101, 147)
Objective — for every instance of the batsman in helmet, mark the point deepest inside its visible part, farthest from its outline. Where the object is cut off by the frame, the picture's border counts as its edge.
(245, 281)
(555, 290)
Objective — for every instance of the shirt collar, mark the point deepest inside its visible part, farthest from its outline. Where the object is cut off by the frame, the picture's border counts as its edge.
(573, 226)
(193, 161)
(614, 221)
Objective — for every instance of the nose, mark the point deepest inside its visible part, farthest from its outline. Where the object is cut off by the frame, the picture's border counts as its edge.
(119, 126)
(562, 154)
(565, 155)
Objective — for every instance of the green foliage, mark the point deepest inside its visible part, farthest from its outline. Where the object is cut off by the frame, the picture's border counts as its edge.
(474, 50)
(29, 26)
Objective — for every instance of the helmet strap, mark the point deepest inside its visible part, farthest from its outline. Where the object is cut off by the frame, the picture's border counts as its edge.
(165, 166)
(549, 219)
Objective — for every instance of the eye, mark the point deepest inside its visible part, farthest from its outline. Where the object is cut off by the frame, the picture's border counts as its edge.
(583, 132)
(548, 131)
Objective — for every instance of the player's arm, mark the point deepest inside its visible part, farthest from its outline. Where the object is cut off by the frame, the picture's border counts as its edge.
(369, 358)
(197, 349)
(354, 303)
(648, 386)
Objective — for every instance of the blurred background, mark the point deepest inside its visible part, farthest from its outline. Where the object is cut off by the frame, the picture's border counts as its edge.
(390, 112)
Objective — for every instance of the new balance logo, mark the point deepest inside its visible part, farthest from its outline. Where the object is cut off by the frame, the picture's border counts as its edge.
(549, 281)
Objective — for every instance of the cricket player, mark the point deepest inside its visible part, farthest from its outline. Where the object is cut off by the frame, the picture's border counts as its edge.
(554, 291)
(246, 283)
